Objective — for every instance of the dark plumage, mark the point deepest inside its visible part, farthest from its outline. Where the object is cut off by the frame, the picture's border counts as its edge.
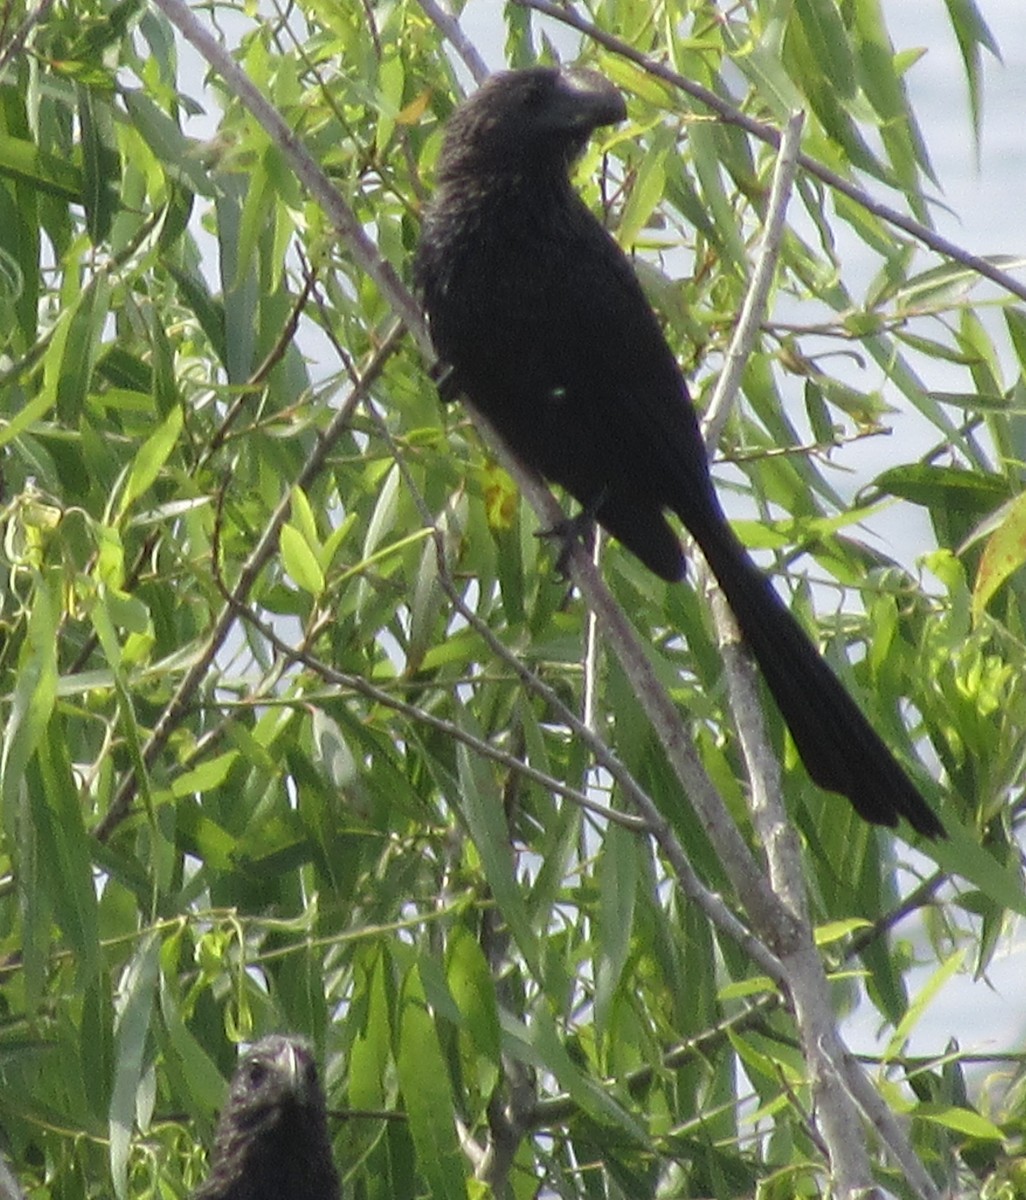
(272, 1138)
(544, 325)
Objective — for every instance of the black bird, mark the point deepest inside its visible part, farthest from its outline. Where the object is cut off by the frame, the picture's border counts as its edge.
(541, 320)
(272, 1138)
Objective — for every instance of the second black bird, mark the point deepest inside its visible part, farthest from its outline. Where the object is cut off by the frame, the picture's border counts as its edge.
(272, 1140)
(544, 325)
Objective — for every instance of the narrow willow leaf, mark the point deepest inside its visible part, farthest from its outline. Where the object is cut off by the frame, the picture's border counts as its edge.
(191, 1064)
(32, 702)
(926, 994)
(427, 1097)
(175, 152)
(206, 776)
(472, 987)
(300, 561)
(703, 145)
(482, 809)
(962, 1120)
(23, 160)
(100, 161)
(152, 456)
(824, 29)
(68, 363)
(972, 34)
(618, 881)
(304, 520)
(592, 1096)
(1003, 555)
(370, 1055)
(647, 192)
(64, 842)
(138, 991)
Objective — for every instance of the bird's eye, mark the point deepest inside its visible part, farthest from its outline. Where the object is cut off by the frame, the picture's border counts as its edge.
(257, 1074)
(533, 96)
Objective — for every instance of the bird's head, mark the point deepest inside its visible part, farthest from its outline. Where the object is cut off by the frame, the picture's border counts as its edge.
(527, 121)
(272, 1137)
(276, 1076)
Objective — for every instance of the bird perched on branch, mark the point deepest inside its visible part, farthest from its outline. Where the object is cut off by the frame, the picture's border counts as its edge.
(272, 1138)
(542, 323)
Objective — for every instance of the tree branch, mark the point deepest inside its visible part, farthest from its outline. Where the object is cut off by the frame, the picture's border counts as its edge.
(451, 30)
(834, 1074)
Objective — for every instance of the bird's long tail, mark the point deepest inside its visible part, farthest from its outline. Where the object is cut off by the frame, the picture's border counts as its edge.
(840, 749)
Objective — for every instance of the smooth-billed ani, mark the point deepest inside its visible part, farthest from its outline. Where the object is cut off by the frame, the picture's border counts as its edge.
(272, 1138)
(541, 319)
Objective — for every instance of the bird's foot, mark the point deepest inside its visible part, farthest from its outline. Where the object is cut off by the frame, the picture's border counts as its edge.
(578, 528)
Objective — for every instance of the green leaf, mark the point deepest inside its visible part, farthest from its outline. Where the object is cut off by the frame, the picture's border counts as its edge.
(618, 880)
(64, 843)
(191, 1064)
(177, 154)
(427, 1097)
(23, 160)
(826, 35)
(470, 982)
(649, 185)
(152, 456)
(933, 486)
(835, 931)
(962, 1120)
(100, 162)
(588, 1093)
(926, 994)
(67, 361)
(703, 146)
(305, 521)
(133, 1024)
(300, 560)
(371, 1053)
(481, 806)
(973, 34)
(1003, 554)
(35, 689)
(208, 775)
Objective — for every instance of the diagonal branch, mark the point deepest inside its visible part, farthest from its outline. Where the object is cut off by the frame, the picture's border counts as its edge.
(839, 1084)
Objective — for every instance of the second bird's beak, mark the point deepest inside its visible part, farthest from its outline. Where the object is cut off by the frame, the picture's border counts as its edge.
(586, 101)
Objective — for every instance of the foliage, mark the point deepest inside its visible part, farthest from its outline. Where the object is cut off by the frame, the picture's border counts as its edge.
(266, 606)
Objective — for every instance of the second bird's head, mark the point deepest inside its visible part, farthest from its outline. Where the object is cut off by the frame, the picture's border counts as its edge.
(274, 1080)
(524, 121)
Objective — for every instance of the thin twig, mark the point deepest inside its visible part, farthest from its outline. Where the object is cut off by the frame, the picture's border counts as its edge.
(879, 1114)
(753, 310)
(838, 1116)
(20, 35)
(259, 376)
(764, 770)
(450, 29)
(919, 897)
